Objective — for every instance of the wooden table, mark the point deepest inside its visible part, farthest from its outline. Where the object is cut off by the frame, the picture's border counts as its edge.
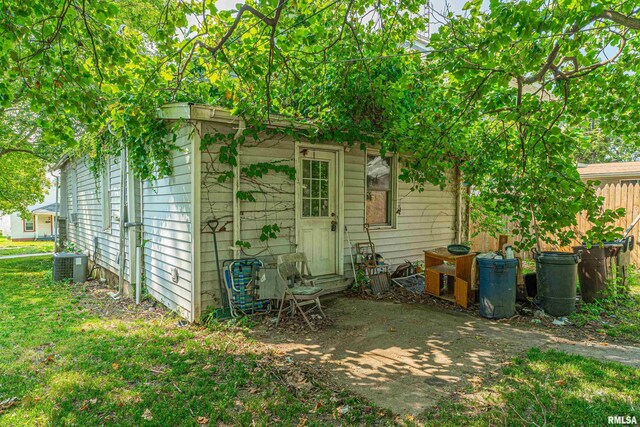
(439, 263)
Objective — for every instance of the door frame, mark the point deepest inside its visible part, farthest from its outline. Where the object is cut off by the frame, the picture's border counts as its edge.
(339, 152)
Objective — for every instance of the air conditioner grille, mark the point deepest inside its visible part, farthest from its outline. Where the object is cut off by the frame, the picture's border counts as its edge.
(63, 266)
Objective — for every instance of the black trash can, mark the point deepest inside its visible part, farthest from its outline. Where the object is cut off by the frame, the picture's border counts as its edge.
(497, 287)
(557, 275)
(592, 272)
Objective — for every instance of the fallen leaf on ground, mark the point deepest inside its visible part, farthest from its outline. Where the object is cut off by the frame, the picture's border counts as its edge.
(147, 415)
(202, 420)
(342, 410)
(561, 382)
(115, 366)
(8, 403)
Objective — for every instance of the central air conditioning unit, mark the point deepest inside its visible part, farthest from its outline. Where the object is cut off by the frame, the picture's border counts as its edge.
(68, 266)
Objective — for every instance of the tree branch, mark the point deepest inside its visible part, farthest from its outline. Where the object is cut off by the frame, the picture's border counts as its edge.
(548, 64)
(620, 18)
(272, 22)
(5, 151)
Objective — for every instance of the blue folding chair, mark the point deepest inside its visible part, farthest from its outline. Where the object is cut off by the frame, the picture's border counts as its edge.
(242, 277)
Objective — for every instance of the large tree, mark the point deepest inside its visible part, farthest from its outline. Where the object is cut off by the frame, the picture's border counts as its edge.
(503, 95)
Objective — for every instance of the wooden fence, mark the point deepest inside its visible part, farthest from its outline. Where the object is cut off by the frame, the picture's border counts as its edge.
(615, 196)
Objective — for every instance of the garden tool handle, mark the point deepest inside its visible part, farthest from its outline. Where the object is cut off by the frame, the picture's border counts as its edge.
(213, 228)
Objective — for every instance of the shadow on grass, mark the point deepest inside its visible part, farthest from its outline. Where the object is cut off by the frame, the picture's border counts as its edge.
(67, 365)
(548, 388)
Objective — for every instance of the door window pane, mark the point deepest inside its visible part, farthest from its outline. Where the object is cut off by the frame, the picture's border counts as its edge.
(315, 191)
(306, 168)
(324, 170)
(315, 207)
(324, 189)
(306, 188)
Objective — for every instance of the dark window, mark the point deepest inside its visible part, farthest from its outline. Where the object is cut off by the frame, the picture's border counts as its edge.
(379, 203)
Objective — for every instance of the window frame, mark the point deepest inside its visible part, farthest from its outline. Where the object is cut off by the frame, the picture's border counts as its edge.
(392, 211)
(24, 225)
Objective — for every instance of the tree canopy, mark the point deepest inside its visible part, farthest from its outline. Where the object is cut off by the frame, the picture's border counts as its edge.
(506, 95)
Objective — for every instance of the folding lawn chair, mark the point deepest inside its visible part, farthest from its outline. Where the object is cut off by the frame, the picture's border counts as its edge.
(241, 277)
(299, 286)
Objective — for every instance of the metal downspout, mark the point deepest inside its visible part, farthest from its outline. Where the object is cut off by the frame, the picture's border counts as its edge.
(55, 219)
(236, 201)
(123, 168)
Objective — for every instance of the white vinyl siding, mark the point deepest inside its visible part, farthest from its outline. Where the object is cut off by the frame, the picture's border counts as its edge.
(275, 204)
(168, 231)
(166, 222)
(87, 233)
(425, 220)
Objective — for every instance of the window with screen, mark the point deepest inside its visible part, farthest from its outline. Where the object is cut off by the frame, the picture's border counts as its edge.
(380, 188)
(29, 225)
(315, 188)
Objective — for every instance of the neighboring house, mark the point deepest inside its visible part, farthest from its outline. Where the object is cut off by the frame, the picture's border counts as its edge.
(611, 173)
(337, 189)
(41, 225)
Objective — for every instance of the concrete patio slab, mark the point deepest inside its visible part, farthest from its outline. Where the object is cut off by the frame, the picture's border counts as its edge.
(407, 357)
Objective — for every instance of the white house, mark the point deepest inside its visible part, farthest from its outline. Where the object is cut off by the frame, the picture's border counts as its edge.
(41, 226)
(321, 210)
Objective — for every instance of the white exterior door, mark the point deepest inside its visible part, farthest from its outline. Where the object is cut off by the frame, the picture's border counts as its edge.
(319, 210)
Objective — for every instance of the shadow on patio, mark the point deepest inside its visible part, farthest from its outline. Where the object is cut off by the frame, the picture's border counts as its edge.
(407, 357)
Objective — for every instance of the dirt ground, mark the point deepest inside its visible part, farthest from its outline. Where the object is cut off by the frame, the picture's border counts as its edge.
(406, 357)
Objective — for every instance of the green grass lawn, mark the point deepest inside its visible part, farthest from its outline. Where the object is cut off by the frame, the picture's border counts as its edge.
(71, 358)
(9, 247)
(547, 388)
(69, 355)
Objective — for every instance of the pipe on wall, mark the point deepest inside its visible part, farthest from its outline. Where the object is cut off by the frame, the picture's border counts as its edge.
(123, 177)
(55, 219)
(236, 188)
(458, 183)
(138, 274)
(139, 253)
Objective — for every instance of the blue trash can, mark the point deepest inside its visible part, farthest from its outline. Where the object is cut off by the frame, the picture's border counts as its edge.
(497, 287)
